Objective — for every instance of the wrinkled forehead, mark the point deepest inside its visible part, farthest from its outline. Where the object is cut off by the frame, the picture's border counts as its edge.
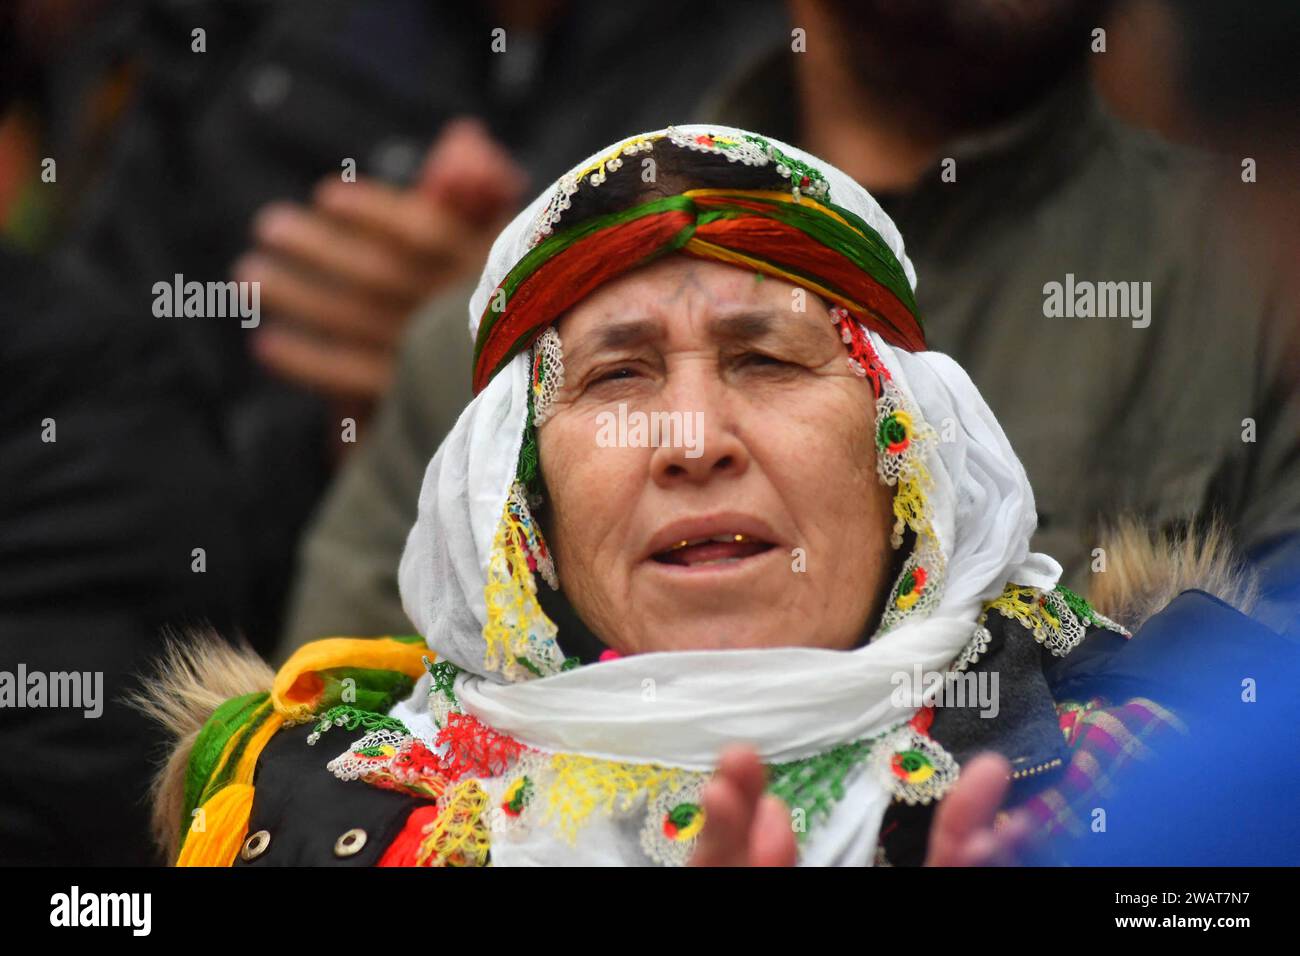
(684, 302)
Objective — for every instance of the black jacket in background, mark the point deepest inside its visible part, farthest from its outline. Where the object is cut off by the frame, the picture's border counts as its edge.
(97, 531)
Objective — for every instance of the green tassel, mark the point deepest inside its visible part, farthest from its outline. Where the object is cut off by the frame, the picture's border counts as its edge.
(226, 721)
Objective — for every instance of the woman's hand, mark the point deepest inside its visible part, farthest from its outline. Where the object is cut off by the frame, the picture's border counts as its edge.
(745, 827)
(963, 833)
(742, 825)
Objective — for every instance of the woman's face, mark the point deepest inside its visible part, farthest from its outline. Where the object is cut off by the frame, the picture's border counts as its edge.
(766, 470)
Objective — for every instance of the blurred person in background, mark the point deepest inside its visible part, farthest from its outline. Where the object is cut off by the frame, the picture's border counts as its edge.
(1242, 96)
(978, 127)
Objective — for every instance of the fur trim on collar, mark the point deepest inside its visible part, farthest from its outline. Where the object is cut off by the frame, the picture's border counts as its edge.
(197, 672)
(1145, 569)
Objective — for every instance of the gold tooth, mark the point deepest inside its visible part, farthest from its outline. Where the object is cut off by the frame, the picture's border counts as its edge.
(739, 538)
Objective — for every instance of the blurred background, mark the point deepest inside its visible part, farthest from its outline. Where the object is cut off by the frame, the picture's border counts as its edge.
(355, 159)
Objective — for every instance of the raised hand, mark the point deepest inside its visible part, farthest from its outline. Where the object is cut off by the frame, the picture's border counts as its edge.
(743, 826)
(963, 832)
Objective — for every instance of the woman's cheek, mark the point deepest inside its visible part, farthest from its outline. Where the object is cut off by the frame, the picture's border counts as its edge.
(589, 489)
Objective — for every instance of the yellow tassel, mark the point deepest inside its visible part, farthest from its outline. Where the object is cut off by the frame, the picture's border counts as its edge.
(248, 761)
(225, 824)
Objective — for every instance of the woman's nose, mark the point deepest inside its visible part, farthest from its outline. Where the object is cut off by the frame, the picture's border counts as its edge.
(702, 442)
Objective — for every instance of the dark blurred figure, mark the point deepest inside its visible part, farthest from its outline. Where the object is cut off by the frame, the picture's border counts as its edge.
(69, 76)
(105, 446)
(1237, 67)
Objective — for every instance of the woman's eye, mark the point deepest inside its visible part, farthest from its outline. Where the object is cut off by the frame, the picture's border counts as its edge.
(761, 360)
(613, 375)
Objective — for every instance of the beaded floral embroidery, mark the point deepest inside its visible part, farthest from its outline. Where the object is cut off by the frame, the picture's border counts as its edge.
(903, 439)
(756, 151)
(1059, 619)
(548, 374)
(919, 770)
(975, 648)
(752, 150)
(674, 818)
(595, 174)
(546, 379)
(442, 690)
(352, 718)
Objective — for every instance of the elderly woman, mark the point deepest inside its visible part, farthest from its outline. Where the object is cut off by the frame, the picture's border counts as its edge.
(780, 637)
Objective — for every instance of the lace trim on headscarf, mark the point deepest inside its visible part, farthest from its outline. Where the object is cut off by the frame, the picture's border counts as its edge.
(519, 637)
(1059, 619)
(903, 440)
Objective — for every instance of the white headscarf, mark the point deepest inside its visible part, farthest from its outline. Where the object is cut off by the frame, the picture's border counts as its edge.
(789, 703)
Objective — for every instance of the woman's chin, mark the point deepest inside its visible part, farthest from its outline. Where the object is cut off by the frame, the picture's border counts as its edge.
(719, 605)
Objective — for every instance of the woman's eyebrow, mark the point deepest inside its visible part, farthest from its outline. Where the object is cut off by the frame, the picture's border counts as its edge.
(737, 327)
(615, 335)
(753, 325)
(742, 326)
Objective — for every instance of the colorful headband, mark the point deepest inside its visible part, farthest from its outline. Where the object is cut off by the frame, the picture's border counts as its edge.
(818, 246)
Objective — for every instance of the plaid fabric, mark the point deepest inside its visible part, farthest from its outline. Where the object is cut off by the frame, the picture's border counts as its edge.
(1102, 740)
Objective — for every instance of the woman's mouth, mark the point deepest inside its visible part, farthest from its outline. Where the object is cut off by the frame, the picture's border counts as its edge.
(714, 549)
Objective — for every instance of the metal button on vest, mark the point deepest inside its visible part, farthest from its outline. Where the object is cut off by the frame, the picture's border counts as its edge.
(255, 845)
(350, 843)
